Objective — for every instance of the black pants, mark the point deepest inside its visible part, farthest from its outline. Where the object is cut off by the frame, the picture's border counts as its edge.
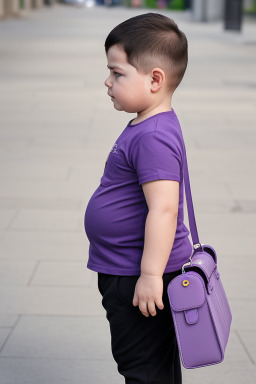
(144, 348)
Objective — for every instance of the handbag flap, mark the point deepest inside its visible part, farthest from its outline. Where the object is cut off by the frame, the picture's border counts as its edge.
(209, 249)
(205, 262)
(186, 291)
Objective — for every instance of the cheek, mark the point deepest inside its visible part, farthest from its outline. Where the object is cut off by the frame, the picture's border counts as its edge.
(140, 88)
(117, 88)
(131, 94)
(133, 89)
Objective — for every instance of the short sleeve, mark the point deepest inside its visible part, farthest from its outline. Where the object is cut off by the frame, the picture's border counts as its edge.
(155, 157)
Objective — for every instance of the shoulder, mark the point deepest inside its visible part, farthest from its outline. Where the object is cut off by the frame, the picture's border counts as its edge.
(161, 125)
(161, 132)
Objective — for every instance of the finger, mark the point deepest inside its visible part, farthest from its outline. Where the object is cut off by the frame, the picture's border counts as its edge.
(160, 304)
(143, 309)
(152, 308)
(135, 301)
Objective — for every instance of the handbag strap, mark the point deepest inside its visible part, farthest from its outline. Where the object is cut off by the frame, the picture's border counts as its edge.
(190, 207)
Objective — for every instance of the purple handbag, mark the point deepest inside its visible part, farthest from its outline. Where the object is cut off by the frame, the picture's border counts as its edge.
(199, 306)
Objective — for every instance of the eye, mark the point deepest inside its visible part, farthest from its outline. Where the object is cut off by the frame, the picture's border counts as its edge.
(117, 74)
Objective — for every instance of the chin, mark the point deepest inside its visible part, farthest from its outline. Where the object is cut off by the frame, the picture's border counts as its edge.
(118, 107)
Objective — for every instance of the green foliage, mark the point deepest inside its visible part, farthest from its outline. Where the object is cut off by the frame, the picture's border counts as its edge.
(251, 10)
(176, 4)
(22, 4)
(172, 4)
(150, 3)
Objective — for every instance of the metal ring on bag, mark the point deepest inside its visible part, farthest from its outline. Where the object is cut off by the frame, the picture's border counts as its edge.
(183, 269)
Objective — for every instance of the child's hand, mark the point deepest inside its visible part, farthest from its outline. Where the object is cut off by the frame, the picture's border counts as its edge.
(148, 292)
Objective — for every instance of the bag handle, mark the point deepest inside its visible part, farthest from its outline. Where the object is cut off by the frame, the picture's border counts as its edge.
(190, 207)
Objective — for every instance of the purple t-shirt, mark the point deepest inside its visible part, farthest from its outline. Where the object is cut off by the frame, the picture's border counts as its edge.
(116, 213)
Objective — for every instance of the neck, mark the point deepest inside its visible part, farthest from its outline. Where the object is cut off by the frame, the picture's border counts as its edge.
(143, 115)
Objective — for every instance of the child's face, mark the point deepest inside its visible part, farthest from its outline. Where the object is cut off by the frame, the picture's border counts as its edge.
(129, 90)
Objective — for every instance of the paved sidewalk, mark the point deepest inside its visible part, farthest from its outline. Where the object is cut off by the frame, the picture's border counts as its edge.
(57, 127)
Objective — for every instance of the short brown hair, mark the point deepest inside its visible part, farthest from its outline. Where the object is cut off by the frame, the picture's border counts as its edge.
(150, 40)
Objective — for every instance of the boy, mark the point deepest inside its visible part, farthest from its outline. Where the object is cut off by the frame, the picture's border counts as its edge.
(134, 219)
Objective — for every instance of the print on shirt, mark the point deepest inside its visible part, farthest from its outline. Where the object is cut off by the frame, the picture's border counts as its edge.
(114, 150)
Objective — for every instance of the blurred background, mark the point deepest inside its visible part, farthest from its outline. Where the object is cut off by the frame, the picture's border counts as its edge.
(57, 126)
(202, 9)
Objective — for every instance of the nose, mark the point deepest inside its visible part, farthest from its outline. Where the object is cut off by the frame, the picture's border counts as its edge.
(108, 82)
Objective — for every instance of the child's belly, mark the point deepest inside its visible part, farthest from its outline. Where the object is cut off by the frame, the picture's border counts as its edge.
(116, 216)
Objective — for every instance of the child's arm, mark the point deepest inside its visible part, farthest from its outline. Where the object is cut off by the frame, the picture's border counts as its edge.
(162, 198)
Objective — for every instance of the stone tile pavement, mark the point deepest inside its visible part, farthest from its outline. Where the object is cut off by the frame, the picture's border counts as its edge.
(57, 127)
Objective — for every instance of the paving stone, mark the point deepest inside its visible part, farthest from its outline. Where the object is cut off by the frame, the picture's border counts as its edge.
(57, 153)
(210, 190)
(43, 238)
(231, 272)
(38, 172)
(225, 224)
(247, 338)
(48, 220)
(4, 333)
(8, 321)
(57, 142)
(243, 196)
(48, 300)
(59, 337)
(235, 351)
(46, 189)
(16, 272)
(211, 204)
(230, 372)
(6, 217)
(246, 206)
(63, 274)
(13, 143)
(40, 203)
(225, 163)
(240, 307)
(58, 371)
(38, 248)
(239, 247)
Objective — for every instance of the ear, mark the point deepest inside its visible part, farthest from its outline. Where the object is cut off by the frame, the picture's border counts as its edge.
(157, 79)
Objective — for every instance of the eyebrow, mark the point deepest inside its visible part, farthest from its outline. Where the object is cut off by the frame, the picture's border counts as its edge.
(114, 67)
